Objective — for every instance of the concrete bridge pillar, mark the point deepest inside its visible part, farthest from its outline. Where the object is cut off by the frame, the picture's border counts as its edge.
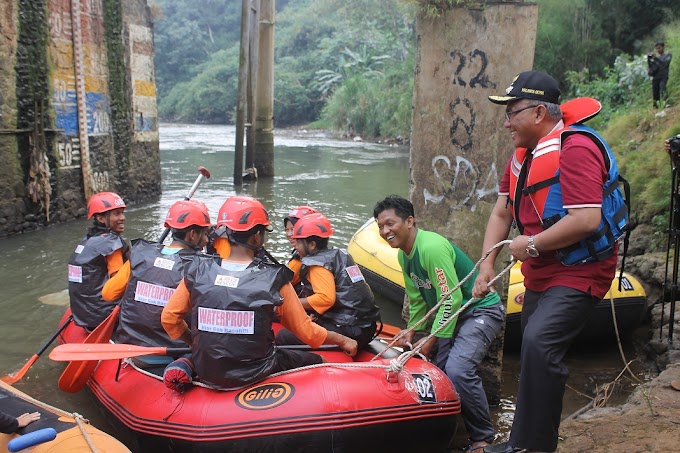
(459, 147)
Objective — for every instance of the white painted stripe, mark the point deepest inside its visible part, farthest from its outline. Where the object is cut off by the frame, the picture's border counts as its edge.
(142, 67)
(140, 33)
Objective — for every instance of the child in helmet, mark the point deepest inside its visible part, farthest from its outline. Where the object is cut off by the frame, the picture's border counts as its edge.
(329, 284)
(98, 256)
(145, 283)
(233, 303)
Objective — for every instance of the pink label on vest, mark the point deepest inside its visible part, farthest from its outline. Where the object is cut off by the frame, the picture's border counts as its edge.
(153, 294)
(226, 321)
(354, 274)
(75, 274)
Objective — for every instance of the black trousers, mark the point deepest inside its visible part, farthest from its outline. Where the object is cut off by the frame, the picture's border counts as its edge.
(551, 320)
(658, 88)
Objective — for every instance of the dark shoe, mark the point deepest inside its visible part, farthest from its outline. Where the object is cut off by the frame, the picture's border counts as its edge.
(503, 447)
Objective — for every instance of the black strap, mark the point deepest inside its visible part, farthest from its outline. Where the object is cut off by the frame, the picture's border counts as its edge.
(608, 190)
(626, 237)
(541, 185)
(518, 193)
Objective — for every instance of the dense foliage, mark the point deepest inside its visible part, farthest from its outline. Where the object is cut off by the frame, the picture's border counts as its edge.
(349, 63)
(635, 130)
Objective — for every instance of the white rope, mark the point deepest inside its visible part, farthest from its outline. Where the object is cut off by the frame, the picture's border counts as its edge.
(404, 357)
(79, 419)
(396, 365)
(44, 405)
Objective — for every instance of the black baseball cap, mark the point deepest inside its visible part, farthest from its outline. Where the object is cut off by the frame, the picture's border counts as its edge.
(534, 85)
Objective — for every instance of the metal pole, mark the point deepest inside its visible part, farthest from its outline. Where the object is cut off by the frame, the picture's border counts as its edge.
(241, 105)
(675, 216)
(671, 284)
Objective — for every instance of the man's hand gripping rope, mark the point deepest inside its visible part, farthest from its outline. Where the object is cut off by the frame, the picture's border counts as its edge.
(396, 365)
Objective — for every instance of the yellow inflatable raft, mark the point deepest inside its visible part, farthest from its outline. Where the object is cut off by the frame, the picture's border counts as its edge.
(380, 266)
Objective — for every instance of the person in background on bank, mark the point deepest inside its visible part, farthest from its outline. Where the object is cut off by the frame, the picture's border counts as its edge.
(98, 256)
(330, 285)
(659, 69)
(9, 424)
(232, 307)
(146, 282)
(431, 266)
(559, 297)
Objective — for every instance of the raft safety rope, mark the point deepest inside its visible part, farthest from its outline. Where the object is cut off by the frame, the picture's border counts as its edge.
(444, 297)
(79, 419)
(395, 365)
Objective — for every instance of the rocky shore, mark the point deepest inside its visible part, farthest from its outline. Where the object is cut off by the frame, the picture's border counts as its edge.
(649, 421)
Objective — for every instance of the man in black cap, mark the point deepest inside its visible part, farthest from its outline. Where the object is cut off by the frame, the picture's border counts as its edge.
(552, 189)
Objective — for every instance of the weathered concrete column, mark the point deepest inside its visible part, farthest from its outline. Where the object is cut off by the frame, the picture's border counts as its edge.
(39, 116)
(459, 147)
(264, 99)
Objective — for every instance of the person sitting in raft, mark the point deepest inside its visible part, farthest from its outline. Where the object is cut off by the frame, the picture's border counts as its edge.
(232, 307)
(145, 283)
(291, 219)
(98, 256)
(10, 424)
(329, 284)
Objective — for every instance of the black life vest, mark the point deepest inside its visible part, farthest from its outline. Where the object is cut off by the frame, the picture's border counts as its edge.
(354, 301)
(232, 340)
(154, 277)
(87, 273)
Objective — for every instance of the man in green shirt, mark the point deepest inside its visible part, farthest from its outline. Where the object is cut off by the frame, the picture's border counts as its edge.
(431, 267)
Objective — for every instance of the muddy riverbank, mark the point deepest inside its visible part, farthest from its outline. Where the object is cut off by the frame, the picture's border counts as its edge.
(649, 421)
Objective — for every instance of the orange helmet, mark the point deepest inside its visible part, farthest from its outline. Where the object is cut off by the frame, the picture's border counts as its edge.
(313, 225)
(103, 202)
(185, 213)
(298, 213)
(242, 213)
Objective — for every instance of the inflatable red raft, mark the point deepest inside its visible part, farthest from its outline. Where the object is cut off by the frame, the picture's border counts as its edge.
(346, 405)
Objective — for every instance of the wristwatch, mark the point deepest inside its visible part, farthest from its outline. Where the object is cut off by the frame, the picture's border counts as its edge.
(532, 251)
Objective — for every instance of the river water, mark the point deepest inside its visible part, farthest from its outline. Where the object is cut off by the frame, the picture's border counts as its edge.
(342, 179)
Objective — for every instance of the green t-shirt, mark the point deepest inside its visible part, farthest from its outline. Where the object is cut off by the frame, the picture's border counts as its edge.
(432, 269)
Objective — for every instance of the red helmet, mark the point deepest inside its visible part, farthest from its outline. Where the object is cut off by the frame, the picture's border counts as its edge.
(313, 225)
(298, 213)
(242, 213)
(185, 213)
(103, 202)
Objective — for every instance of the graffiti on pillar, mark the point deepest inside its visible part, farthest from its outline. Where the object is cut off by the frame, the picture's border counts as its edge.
(463, 124)
(456, 178)
(472, 66)
(463, 179)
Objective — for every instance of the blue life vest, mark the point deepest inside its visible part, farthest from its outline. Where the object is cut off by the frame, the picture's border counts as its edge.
(549, 204)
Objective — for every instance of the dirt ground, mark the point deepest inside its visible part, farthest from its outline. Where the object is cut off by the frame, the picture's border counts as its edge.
(630, 428)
